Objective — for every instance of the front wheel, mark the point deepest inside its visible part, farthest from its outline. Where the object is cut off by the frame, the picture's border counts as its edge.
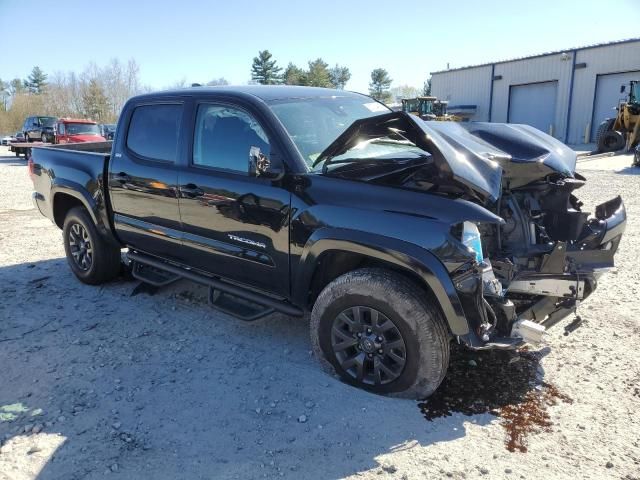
(91, 258)
(611, 141)
(376, 330)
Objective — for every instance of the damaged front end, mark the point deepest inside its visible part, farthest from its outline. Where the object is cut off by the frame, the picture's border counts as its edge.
(540, 255)
(533, 270)
(539, 265)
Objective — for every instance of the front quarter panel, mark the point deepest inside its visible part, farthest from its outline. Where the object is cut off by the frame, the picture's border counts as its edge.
(408, 229)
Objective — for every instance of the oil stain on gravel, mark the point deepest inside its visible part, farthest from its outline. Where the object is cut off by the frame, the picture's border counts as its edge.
(505, 384)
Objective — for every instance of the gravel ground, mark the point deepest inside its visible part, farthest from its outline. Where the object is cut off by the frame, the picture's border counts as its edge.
(95, 382)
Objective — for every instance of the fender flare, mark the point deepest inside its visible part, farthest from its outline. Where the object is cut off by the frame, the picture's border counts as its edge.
(75, 190)
(404, 255)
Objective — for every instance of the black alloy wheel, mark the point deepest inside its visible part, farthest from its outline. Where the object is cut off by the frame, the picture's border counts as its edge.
(368, 345)
(377, 330)
(80, 247)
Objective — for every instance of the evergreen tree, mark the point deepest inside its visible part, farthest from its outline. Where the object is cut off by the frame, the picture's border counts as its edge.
(37, 81)
(294, 75)
(94, 101)
(339, 76)
(426, 90)
(318, 74)
(379, 86)
(264, 70)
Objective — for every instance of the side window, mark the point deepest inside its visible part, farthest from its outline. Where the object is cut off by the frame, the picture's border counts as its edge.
(61, 129)
(153, 131)
(224, 137)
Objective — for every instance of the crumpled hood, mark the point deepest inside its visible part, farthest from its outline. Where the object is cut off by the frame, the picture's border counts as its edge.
(477, 156)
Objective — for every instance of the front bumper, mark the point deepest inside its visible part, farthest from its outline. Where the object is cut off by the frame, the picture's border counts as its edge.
(567, 275)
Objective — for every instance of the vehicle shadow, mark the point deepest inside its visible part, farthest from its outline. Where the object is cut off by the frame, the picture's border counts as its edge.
(95, 381)
(629, 171)
(13, 161)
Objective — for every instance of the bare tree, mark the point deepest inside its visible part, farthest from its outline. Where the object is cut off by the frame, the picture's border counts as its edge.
(98, 91)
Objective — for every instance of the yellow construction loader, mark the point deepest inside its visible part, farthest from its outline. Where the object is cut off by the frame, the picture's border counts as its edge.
(623, 131)
(429, 108)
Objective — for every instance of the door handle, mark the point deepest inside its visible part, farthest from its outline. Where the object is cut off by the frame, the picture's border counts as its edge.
(121, 177)
(191, 190)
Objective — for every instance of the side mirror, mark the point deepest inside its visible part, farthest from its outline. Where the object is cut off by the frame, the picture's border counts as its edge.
(623, 88)
(261, 166)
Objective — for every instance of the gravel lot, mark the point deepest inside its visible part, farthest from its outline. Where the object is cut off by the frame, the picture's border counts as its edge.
(95, 382)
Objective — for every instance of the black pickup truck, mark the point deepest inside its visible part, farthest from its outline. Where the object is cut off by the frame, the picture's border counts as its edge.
(396, 235)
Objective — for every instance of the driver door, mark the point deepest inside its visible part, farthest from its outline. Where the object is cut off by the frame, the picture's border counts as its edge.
(234, 225)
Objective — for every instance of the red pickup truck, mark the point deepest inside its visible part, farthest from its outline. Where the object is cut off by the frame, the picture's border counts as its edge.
(73, 130)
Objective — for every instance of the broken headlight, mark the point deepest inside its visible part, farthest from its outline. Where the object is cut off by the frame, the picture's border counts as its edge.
(471, 239)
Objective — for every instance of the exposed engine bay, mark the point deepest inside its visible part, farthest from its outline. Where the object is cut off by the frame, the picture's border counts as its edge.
(548, 255)
(527, 272)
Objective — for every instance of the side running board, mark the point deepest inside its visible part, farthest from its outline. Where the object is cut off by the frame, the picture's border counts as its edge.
(216, 284)
(152, 275)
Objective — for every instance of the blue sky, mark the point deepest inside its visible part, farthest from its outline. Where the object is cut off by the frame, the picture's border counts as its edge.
(199, 40)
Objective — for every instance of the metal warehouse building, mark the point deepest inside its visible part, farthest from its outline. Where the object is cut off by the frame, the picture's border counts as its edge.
(566, 93)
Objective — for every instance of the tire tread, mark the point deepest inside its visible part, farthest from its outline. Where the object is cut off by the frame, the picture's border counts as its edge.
(426, 320)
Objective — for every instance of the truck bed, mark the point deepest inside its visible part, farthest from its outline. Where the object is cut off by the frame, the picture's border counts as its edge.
(88, 147)
(25, 148)
(77, 170)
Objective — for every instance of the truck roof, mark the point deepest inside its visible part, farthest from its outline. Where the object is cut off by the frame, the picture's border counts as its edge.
(264, 92)
(76, 120)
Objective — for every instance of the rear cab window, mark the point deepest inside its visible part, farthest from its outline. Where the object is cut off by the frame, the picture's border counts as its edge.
(154, 131)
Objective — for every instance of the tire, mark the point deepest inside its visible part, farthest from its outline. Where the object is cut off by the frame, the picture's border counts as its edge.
(91, 258)
(414, 321)
(603, 128)
(611, 141)
(636, 157)
(43, 138)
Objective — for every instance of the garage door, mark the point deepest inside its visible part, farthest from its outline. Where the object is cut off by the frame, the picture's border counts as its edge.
(534, 104)
(608, 96)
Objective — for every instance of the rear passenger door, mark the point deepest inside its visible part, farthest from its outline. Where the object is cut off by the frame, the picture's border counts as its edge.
(27, 128)
(143, 177)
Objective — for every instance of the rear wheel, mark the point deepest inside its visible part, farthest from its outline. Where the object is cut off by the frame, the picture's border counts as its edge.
(604, 127)
(375, 329)
(611, 141)
(91, 258)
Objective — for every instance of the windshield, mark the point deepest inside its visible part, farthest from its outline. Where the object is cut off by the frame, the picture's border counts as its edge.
(47, 121)
(110, 127)
(391, 147)
(82, 129)
(426, 107)
(314, 123)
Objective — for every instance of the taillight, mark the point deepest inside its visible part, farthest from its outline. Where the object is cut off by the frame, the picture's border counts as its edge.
(30, 166)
